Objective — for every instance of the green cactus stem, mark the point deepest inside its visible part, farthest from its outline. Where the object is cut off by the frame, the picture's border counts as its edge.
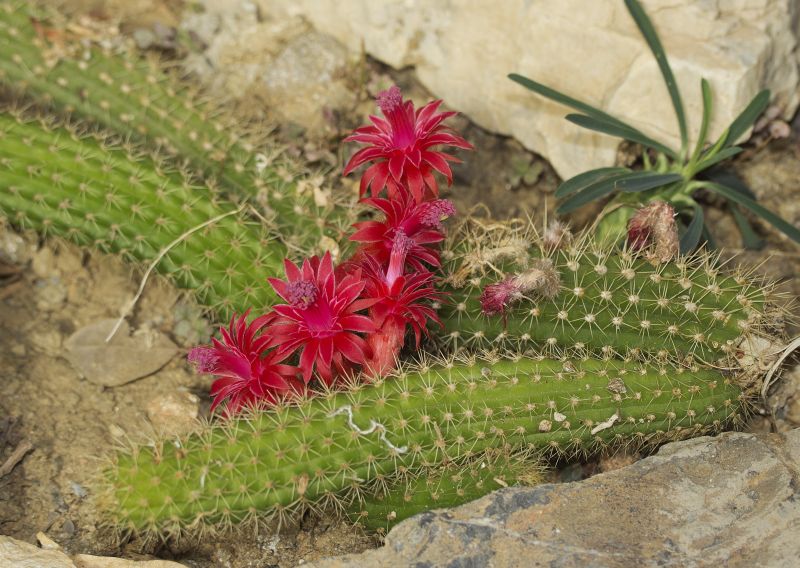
(386, 504)
(608, 302)
(329, 450)
(62, 182)
(134, 98)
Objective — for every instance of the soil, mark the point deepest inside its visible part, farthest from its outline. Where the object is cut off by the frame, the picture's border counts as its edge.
(49, 289)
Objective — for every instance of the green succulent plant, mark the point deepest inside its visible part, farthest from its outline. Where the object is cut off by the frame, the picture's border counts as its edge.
(668, 174)
(410, 442)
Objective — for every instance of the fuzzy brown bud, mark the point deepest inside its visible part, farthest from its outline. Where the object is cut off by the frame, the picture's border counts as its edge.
(653, 228)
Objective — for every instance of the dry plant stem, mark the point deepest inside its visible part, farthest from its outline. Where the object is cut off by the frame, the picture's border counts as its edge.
(129, 307)
(16, 456)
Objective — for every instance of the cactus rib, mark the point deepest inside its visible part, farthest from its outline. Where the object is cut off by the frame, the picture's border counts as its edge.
(325, 449)
(134, 98)
(611, 303)
(56, 180)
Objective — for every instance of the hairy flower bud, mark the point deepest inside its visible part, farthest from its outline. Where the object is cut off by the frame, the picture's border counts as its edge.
(541, 279)
(653, 227)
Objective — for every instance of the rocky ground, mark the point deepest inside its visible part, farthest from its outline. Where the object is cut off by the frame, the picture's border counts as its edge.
(59, 416)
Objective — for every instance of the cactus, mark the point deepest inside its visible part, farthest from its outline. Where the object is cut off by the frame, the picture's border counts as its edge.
(609, 302)
(65, 183)
(453, 484)
(335, 448)
(134, 98)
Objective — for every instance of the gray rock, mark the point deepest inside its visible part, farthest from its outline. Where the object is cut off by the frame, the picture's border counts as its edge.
(725, 501)
(123, 359)
(21, 554)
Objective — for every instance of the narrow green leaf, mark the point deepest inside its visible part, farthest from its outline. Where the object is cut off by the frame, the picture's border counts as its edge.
(642, 181)
(627, 182)
(705, 88)
(650, 35)
(747, 117)
(718, 157)
(590, 193)
(730, 178)
(691, 238)
(566, 100)
(625, 132)
(711, 244)
(733, 195)
(581, 181)
(750, 239)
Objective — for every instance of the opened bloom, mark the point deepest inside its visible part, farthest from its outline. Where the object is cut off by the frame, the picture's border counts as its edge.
(247, 374)
(399, 146)
(320, 318)
(421, 223)
(399, 301)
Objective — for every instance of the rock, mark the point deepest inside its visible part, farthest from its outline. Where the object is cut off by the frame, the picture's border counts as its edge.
(89, 561)
(21, 554)
(730, 500)
(43, 263)
(50, 294)
(122, 360)
(305, 78)
(295, 72)
(13, 248)
(174, 413)
(463, 50)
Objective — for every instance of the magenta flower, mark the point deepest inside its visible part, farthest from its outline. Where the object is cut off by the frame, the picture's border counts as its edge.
(400, 301)
(246, 374)
(400, 148)
(422, 223)
(320, 319)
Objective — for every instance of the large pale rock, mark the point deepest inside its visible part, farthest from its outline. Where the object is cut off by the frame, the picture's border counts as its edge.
(732, 501)
(21, 554)
(463, 50)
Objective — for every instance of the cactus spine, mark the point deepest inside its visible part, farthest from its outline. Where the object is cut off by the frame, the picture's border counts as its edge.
(135, 99)
(609, 302)
(61, 182)
(450, 485)
(334, 448)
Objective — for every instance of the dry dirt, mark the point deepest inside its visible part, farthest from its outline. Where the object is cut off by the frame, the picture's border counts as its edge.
(49, 289)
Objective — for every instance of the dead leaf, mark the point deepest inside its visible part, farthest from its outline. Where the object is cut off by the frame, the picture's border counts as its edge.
(123, 359)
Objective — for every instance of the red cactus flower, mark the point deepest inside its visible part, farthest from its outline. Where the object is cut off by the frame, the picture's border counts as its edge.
(399, 301)
(246, 375)
(422, 223)
(400, 147)
(320, 318)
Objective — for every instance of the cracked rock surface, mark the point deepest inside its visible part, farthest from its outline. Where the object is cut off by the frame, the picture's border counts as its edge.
(725, 501)
(462, 51)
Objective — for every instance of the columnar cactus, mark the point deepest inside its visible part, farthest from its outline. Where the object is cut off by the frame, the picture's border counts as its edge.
(388, 502)
(614, 303)
(134, 98)
(340, 447)
(64, 182)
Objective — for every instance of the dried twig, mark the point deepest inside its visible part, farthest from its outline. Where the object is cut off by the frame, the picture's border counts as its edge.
(16, 456)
